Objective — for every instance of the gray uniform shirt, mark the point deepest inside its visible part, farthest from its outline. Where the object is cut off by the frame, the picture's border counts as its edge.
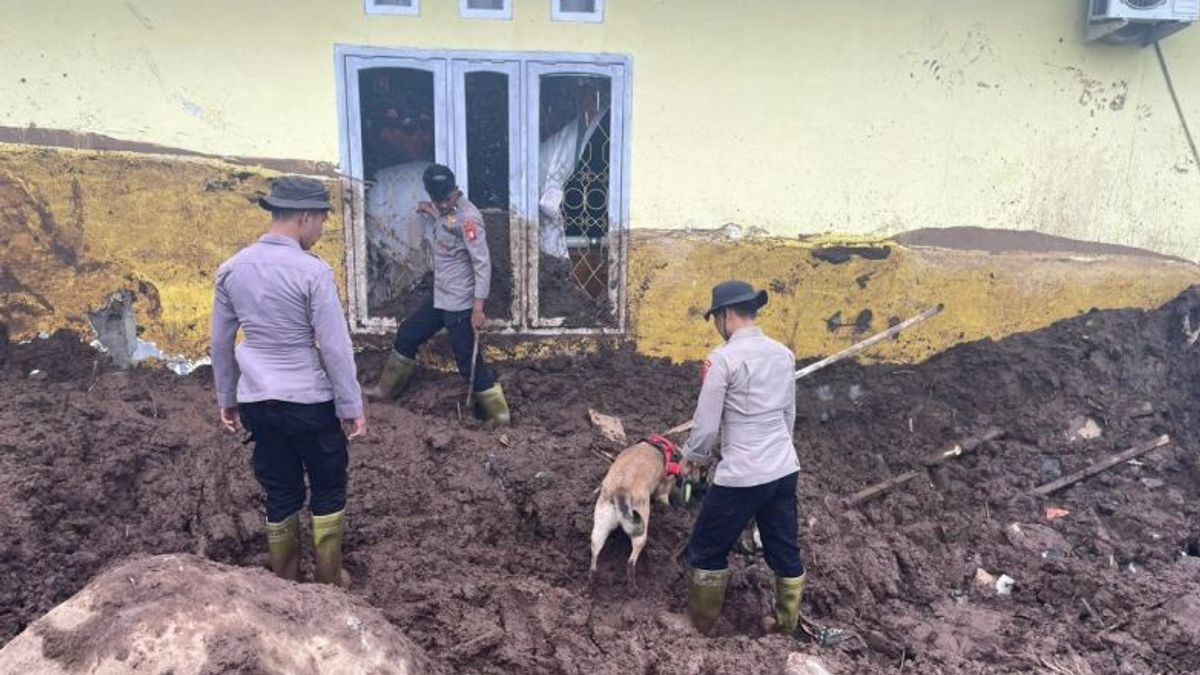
(462, 266)
(286, 302)
(747, 406)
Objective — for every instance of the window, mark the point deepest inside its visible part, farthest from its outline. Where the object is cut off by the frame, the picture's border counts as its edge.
(409, 7)
(539, 143)
(590, 11)
(485, 9)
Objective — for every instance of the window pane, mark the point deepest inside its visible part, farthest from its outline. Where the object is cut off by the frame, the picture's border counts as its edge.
(394, 3)
(486, 96)
(573, 200)
(398, 132)
(584, 6)
(486, 4)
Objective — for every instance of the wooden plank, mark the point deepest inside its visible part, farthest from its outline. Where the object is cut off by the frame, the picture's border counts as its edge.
(846, 353)
(1102, 465)
(956, 450)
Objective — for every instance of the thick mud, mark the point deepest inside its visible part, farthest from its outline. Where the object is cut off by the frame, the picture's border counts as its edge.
(473, 541)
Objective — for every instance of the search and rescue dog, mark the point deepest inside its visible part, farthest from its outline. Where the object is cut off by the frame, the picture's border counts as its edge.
(642, 471)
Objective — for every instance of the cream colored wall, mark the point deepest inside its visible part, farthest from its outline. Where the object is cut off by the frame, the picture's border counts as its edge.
(793, 115)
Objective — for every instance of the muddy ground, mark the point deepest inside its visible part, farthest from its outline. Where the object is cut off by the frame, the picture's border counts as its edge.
(474, 541)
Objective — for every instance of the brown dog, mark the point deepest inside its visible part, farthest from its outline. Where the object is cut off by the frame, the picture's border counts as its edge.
(637, 475)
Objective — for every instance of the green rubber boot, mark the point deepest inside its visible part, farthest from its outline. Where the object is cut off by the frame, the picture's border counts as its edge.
(327, 539)
(495, 407)
(706, 596)
(283, 547)
(395, 376)
(788, 591)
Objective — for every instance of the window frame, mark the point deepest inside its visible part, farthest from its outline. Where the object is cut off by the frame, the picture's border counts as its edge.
(349, 59)
(465, 11)
(558, 14)
(370, 8)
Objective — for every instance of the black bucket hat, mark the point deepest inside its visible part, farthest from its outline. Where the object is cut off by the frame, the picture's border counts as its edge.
(297, 192)
(439, 181)
(729, 293)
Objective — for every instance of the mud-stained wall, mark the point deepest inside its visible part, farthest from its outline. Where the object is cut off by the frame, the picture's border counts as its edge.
(869, 117)
(76, 226)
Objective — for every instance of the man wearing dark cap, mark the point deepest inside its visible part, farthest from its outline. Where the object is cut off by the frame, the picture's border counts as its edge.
(747, 407)
(292, 380)
(462, 277)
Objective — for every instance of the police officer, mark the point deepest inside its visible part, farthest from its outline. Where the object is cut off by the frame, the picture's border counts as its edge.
(289, 396)
(747, 406)
(462, 275)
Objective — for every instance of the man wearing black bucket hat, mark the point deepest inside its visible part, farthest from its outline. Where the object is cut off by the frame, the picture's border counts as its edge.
(462, 277)
(292, 381)
(747, 407)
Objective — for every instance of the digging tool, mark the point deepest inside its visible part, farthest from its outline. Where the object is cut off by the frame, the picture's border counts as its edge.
(852, 350)
(471, 380)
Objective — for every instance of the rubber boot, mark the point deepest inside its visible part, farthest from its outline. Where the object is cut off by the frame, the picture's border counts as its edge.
(495, 407)
(788, 591)
(395, 376)
(283, 546)
(706, 596)
(327, 539)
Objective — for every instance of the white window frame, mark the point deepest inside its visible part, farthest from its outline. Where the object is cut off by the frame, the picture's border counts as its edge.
(370, 7)
(557, 13)
(503, 14)
(447, 64)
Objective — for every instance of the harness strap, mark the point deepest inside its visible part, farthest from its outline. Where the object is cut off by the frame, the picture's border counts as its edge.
(668, 450)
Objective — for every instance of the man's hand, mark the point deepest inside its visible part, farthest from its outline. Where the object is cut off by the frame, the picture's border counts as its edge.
(355, 428)
(477, 316)
(230, 419)
(688, 469)
(427, 208)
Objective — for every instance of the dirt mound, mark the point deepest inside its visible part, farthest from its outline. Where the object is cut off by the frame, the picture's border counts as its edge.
(185, 615)
(474, 541)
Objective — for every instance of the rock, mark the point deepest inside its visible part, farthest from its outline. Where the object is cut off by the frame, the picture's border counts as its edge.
(1140, 409)
(805, 664)
(1034, 538)
(185, 615)
(1050, 469)
(37, 375)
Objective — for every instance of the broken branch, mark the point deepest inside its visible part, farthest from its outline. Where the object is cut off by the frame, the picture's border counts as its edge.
(957, 450)
(1135, 451)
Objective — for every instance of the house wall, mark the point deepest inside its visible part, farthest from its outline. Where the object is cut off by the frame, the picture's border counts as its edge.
(860, 119)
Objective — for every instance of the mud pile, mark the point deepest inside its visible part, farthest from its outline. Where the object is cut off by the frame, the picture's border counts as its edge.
(185, 615)
(473, 541)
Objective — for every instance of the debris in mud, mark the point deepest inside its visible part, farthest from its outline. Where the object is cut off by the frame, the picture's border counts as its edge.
(487, 542)
(1083, 429)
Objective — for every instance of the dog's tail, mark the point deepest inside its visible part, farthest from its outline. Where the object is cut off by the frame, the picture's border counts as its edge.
(631, 521)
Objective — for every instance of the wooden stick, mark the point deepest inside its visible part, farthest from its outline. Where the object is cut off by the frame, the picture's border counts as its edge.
(957, 450)
(1125, 456)
(471, 382)
(845, 353)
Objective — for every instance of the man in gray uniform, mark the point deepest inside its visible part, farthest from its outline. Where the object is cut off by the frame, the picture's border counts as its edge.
(747, 406)
(292, 378)
(462, 279)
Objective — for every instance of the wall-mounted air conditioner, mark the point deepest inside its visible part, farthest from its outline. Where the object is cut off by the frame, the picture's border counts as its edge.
(1138, 21)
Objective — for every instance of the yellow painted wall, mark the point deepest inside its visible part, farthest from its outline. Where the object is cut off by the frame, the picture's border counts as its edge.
(77, 225)
(873, 116)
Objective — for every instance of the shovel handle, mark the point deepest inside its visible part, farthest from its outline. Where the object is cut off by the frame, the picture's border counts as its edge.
(471, 380)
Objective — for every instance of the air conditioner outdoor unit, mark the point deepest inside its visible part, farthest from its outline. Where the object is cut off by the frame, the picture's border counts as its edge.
(1144, 21)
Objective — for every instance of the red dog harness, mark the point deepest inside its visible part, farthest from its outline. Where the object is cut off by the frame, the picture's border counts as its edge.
(667, 448)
